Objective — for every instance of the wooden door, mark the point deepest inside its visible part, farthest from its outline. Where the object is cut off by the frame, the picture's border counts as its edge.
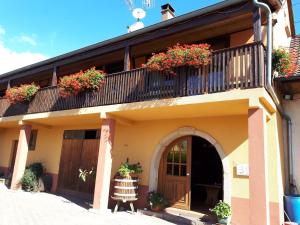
(89, 160)
(174, 174)
(70, 161)
(13, 155)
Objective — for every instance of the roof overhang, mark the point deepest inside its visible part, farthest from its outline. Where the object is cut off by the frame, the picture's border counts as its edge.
(131, 38)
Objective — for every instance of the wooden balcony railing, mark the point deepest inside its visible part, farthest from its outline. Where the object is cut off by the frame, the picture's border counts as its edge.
(241, 67)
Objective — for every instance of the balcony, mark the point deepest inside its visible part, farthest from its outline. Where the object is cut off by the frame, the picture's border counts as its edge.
(233, 68)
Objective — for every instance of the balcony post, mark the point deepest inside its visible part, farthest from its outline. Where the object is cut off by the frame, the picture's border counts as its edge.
(257, 24)
(8, 85)
(127, 59)
(54, 77)
(258, 168)
(102, 185)
(21, 156)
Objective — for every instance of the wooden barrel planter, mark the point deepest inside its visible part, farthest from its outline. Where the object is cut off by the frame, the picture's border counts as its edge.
(125, 190)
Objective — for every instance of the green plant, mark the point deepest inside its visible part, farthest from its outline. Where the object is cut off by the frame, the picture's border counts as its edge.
(284, 62)
(222, 210)
(156, 199)
(126, 169)
(37, 169)
(29, 181)
(88, 80)
(23, 93)
(83, 174)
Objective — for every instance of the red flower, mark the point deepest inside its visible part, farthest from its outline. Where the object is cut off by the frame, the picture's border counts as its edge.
(180, 55)
(89, 80)
(22, 93)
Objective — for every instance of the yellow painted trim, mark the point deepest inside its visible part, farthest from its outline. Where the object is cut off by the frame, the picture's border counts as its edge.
(255, 96)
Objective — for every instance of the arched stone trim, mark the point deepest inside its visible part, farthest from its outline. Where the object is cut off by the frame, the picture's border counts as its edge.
(184, 131)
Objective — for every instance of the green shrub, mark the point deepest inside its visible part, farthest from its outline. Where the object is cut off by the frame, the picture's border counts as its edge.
(157, 199)
(37, 169)
(222, 210)
(29, 181)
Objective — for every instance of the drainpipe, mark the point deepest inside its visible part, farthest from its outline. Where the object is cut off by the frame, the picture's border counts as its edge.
(271, 91)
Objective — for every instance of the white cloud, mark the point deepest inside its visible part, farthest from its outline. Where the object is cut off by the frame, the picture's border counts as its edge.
(2, 30)
(28, 40)
(11, 60)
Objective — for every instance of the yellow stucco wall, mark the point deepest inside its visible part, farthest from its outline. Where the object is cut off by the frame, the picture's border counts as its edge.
(139, 141)
(6, 140)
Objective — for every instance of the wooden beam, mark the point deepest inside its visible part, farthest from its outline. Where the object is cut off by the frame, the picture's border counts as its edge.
(54, 77)
(127, 59)
(8, 84)
(118, 119)
(257, 24)
(23, 122)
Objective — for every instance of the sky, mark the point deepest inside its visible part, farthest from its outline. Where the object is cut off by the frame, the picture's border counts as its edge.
(34, 30)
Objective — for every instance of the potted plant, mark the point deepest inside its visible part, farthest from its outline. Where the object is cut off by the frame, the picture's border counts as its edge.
(23, 93)
(157, 201)
(126, 170)
(126, 182)
(284, 63)
(194, 55)
(88, 80)
(223, 211)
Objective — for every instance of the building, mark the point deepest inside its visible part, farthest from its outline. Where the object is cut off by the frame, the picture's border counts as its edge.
(220, 119)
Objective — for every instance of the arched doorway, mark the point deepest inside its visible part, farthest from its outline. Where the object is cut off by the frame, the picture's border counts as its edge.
(191, 174)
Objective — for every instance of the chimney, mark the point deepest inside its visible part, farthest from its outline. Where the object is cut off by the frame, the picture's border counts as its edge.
(167, 12)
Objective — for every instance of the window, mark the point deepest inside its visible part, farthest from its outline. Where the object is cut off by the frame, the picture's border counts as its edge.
(32, 141)
(176, 159)
(82, 134)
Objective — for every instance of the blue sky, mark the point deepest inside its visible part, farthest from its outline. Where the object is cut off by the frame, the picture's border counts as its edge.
(46, 28)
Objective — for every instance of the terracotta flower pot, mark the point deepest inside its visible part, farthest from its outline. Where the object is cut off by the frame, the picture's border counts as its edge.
(157, 208)
(222, 221)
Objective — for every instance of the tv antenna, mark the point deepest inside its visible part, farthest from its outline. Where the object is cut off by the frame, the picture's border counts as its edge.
(138, 13)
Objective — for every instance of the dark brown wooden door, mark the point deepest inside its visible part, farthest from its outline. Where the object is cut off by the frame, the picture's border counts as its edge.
(174, 174)
(89, 159)
(13, 155)
(76, 154)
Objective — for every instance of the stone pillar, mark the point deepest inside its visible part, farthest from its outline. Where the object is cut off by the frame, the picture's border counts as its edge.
(258, 172)
(102, 185)
(21, 156)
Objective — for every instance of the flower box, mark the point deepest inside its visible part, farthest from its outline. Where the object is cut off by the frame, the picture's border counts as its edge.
(88, 80)
(21, 94)
(195, 55)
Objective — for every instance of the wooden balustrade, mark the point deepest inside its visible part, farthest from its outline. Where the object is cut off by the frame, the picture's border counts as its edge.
(241, 67)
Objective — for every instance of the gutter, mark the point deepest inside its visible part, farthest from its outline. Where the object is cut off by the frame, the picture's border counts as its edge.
(271, 91)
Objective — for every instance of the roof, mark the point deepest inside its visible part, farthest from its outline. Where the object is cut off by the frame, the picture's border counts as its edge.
(295, 48)
(114, 41)
(291, 85)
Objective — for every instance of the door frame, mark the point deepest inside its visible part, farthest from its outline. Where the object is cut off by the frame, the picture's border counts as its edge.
(186, 131)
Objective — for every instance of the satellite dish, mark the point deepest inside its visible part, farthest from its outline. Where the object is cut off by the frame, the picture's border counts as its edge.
(138, 13)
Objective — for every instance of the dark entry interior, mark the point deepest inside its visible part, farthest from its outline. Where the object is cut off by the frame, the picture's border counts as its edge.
(206, 175)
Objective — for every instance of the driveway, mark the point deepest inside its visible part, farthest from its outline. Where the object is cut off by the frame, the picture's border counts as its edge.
(22, 208)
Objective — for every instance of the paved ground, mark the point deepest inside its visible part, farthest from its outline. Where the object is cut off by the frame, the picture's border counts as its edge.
(21, 208)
